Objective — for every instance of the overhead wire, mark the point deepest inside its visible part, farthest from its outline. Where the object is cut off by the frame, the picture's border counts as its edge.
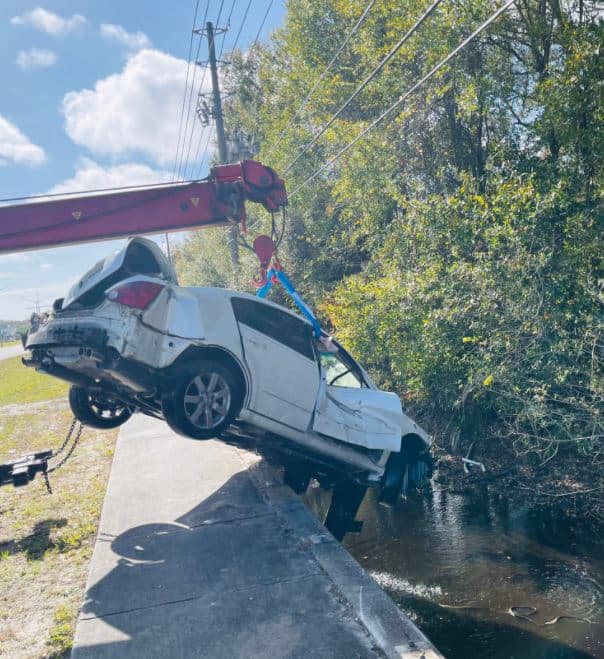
(205, 150)
(207, 144)
(184, 96)
(195, 159)
(247, 9)
(205, 70)
(205, 15)
(308, 96)
(270, 4)
(365, 82)
(225, 32)
(408, 93)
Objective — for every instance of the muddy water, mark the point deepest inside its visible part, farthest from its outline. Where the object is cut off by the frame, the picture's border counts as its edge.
(456, 564)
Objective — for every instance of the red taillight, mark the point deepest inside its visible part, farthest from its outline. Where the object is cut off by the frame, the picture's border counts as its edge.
(136, 294)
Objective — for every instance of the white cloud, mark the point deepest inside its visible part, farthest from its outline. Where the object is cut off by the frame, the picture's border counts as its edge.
(18, 303)
(49, 22)
(134, 111)
(35, 58)
(132, 40)
(90, 175)
(47, 266)
(16, 147)
(18, 257)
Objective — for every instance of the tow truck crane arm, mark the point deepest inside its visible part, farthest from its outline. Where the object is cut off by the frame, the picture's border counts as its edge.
(216, 201)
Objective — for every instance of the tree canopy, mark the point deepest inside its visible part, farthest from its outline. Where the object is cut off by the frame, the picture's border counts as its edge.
(457, 248)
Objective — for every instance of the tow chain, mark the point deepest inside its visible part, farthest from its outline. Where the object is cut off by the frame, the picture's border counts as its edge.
(23, 470)
(76, 441)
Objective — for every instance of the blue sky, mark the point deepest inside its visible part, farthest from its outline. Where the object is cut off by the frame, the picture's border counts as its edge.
(91, 98)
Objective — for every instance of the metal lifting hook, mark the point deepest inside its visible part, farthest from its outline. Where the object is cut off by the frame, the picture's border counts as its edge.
(265, 249)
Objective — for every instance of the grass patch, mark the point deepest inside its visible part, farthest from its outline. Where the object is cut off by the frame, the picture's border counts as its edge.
(60, 637)
(45, 540)
(20, 385)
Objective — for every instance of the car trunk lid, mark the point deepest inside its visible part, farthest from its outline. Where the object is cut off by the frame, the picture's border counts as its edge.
(139, 257)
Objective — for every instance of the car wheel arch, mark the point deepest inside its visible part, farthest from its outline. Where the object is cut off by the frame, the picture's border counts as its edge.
(220, 355)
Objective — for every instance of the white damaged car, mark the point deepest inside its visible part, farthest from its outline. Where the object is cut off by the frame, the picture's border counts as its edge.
(219, 363)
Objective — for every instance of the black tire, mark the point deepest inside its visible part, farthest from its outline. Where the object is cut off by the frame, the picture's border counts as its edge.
(297, 479)
(206, 399)
(412, 460)
(96, 410)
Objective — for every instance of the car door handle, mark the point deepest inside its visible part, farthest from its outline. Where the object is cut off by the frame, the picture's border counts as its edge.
(254, 342)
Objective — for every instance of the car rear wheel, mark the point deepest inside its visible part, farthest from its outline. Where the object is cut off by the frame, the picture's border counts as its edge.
(96, 410)
(205, 401)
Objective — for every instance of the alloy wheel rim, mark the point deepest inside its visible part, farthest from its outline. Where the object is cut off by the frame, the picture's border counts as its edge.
(207, 400)
(106, 409)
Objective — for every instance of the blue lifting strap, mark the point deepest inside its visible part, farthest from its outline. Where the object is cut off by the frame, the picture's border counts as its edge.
(283, 279)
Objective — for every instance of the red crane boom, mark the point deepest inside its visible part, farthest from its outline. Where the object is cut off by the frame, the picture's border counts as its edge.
(216, 201)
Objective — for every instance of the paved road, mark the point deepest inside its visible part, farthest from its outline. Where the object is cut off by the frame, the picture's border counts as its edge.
(10, 351)
(203, 552)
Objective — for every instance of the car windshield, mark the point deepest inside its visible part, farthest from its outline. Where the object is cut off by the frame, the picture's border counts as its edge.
(338, 373)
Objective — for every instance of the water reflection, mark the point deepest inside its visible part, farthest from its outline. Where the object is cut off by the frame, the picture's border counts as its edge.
(457, 563)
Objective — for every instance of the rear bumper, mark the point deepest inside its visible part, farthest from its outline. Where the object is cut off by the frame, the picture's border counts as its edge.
(80, 354)
(74, 335)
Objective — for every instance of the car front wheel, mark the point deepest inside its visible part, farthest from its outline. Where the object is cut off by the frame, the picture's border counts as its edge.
(205, 401)
(96, 410)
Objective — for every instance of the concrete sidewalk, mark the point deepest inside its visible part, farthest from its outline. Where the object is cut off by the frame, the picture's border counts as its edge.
(203, 552)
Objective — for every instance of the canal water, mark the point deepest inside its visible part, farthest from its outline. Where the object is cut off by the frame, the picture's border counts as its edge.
(457, 564)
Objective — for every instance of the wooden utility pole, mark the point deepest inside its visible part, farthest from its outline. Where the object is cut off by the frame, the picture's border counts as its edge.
(223, 154)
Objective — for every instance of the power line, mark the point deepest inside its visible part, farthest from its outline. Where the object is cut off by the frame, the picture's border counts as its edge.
(408, 93)
(199, 31)
(325, 71)
(365, 82)
(205, 15)
(198, 93)
(205, 150)
(270, 4)
(247, 9)
(197, 159)
(184, 96)
(228, 26)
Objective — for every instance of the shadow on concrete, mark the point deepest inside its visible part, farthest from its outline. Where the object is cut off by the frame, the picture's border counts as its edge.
(227, 577)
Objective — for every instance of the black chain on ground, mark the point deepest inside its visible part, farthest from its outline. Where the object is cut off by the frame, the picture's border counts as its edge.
(61, 462)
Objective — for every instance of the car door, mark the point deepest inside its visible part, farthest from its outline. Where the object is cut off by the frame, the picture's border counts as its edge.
(278, 349)
(350, 411)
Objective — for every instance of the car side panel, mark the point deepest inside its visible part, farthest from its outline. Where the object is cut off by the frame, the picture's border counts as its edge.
(181, 317)
(284, 383)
